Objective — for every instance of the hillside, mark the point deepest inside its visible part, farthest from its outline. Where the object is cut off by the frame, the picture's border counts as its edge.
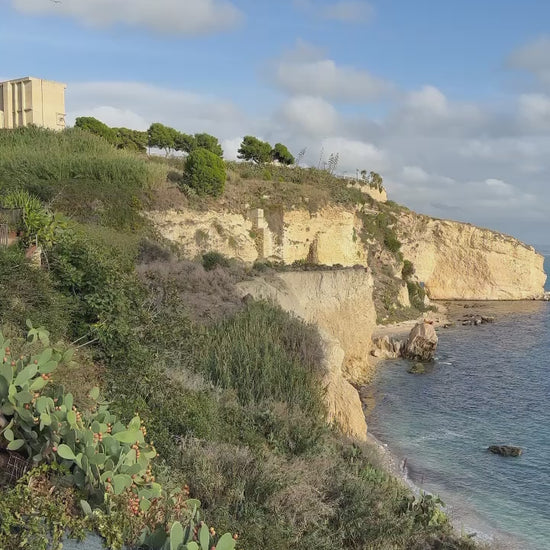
(248, 403)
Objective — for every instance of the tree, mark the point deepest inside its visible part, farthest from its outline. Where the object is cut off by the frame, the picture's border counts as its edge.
(255, 150)
(95, 126)
(133, 140)
(205, 172)
(281, 154)
(162, 137)
(185, 143)
(208, 142)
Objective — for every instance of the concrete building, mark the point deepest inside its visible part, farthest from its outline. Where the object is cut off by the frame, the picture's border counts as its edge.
(32, 101)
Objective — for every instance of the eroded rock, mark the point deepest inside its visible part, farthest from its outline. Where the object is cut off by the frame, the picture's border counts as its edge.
(505, 450)
(422, 343)
(386, 347)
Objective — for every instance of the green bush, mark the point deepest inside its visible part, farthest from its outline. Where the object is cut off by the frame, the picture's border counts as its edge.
(391, 242)
(95, 126)
(205, 172)
(106, 296)
(408, 270)
(211, 260)
(416, 295)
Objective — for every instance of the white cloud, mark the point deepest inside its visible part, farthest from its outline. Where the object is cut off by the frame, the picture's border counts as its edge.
(428, 101)
(309, 115)
(345, 11)
(415, 174)
(163, 16)
(355, 154)
(499, 187)
(304, 71)
(118, 118)
(534, 57)
(429, 111)
(349, 11)
(534, 111)
(231, 147)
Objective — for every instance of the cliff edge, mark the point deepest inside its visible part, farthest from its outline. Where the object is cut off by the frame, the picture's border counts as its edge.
(458, 261)
(340, 303)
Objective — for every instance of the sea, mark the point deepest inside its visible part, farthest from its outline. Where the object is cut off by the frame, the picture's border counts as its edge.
(489, 384)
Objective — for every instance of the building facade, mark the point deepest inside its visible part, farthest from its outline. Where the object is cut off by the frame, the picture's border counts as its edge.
(32, 101)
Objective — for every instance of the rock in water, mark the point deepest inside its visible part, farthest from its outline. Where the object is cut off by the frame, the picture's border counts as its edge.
(422, 343)
(417, 368)
(505, 450)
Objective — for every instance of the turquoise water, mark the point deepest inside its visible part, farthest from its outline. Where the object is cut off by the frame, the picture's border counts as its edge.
(488, 385)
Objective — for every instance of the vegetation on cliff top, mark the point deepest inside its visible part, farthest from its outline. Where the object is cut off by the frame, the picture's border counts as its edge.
(229, 391)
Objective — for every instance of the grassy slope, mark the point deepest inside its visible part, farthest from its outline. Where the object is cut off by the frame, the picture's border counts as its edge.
(229, 390)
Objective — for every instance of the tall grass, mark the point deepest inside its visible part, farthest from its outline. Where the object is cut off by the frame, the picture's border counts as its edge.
(28, 154)
(264, 354)
(82, 174)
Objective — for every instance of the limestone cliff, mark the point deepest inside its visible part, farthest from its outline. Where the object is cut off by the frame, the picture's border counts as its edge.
(454, 260)
(328, 237)
(458, 261)
(340, 303)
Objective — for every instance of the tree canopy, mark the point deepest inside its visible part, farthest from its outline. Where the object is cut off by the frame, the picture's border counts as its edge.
(95, 126)
(158, 136)
(208, 142)
(260, 152)
(162, 137)
(131, 139)
(281, 154)
(254, 149)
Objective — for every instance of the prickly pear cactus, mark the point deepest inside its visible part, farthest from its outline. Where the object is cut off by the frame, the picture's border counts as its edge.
(108, 460)
(102, 454)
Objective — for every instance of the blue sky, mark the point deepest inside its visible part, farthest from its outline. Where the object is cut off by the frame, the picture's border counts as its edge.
(449, 100)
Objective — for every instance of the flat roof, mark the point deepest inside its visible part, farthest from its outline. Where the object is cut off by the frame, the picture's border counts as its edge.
(24, 78)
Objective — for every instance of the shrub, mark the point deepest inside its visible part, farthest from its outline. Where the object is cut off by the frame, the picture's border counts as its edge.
(211, 260)
(205, 172)
(82, 174)
(95, 126)
(416, 295)
(108, 461)
(107, 296)
(408, 270)
(391, 242)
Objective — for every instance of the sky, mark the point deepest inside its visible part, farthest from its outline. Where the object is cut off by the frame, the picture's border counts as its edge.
(448, 100)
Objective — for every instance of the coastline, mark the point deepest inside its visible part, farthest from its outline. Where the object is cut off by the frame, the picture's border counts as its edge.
(464, 518)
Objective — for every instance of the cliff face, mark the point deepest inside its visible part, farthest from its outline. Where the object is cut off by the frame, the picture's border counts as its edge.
(329, 236)
(340, 303)
(457, 261)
